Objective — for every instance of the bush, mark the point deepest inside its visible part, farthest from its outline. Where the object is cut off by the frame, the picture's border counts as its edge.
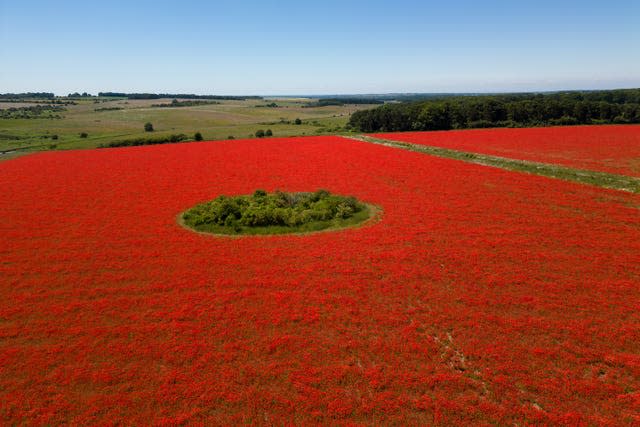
(259, 133)
(231, 137)
(171, 139)
(565, 121)
(54, 137)
(148, 127)
(620, 120)
(197, 136)
(480, 124)
(298, 121)
(300, 211)
(84, 135)
(268, 133)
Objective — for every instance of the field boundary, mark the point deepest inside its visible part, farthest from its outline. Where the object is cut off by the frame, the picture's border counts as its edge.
(582, 176)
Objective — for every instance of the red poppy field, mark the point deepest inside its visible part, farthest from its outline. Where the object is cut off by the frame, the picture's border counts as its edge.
(613, 149)
(481, 296)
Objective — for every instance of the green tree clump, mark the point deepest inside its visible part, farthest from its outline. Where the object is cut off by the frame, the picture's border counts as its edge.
(197, 136)
(275, 213)
(260, 133)
(148, 127)
(268, 133)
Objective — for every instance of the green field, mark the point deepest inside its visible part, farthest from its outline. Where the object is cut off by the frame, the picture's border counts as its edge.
(240, 119)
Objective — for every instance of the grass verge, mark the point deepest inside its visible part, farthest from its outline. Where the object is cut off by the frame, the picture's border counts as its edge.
(600, 179)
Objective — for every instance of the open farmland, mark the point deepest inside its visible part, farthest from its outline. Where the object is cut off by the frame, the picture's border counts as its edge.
(106, 120)
(482, 296)
(614, 149)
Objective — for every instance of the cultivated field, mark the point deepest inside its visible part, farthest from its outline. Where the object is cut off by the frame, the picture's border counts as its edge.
(613, 149)
(118, 119)
(482, 296)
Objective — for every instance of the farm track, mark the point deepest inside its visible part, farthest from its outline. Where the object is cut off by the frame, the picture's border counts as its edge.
(600, 179)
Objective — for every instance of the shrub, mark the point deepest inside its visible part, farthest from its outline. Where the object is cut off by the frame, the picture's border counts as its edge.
(478, 124)
(84, 135)
(259, 133)
(268, 133)
(148, 127)
(565, 121)
(300, 211)
(231, 137)
(198, 136)
(171, 139)
(298, 121)
(54, 137)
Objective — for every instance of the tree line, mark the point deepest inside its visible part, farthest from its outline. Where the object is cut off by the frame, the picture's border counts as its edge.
(508, 110)
(176, 103)
(325, 102)
(28, 95)
(174, 95)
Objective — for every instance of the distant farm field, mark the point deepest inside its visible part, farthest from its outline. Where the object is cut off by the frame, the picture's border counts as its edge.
(105, 120)
(481, 296)
(613, 149)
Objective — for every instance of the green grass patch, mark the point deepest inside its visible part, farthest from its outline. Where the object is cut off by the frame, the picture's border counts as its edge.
(276, 213)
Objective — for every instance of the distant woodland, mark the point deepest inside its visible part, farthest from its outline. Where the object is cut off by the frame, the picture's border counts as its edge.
(174, 95)
(507, 110)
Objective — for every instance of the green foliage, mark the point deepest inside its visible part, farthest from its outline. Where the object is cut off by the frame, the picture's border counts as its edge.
(32, 112)
(231, 137)
(170, 139)
(275, 213)
(298, 121)
(260, 133)
(108, 109)
(510, 110)
(28, 95)
(325, 102)
(148, 127)
(79, 95)
(197, 136)
(175, 103)
(84, 135)
(173, 95)
(268, 133)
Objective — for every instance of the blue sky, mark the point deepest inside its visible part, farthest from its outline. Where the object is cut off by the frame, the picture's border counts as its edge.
(299, 47)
